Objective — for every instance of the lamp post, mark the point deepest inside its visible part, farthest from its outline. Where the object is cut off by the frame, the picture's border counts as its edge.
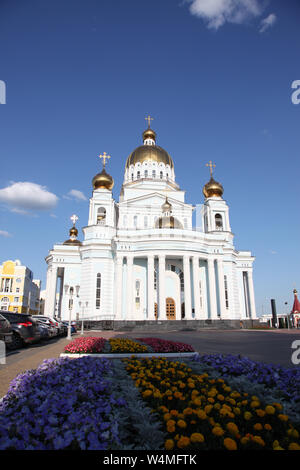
(70, 290)
(81, 304)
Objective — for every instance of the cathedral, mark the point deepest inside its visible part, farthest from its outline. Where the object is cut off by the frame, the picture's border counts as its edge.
(142, 259)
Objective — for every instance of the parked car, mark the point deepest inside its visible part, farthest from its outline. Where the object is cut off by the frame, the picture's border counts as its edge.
(5, 330)
(24, 329)
(54, 330)
(45, 330)
(73, 329)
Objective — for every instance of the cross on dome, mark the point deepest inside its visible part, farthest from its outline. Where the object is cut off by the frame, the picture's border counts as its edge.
(211, 166)
(149, 119)
(74, 219)
(104, 157)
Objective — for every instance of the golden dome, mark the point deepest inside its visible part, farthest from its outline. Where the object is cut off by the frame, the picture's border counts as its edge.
(149, 134)
(213, 189)
(166, 206)
(73, 237)
(103, 181)
(152, 153)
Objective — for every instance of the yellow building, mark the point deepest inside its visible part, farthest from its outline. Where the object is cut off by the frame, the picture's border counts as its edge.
(19, 292)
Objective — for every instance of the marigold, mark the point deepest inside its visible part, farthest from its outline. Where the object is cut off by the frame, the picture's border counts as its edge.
(217, 431)
(230, 444)
(232, 428)
(257, 427)
(259, 440)
(181, 423)
(268, 427)
(294, 446)
(283, 417)
(197, 437)
(169, 444)
(260, 413)
(201, 414)
(247, 415)
(183, 442)
(269, 409)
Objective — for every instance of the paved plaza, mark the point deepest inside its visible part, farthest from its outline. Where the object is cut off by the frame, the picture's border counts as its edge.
(273, 347)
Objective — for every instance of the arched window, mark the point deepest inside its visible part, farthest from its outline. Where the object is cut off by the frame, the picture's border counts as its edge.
(219, 222)
(101, 215)
(138, 175)
(135, 221)
(98, 290)
(132, 176)
(161, 175)
(153, 174)
(146, 173)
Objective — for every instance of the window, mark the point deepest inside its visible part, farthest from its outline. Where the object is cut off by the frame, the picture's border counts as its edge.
(185, 223)
(167, 175)
(200, 292)
(17, 289)
(138, 175)
(98, 290)
(146, 221)
(132, 176)
(161, 175)
(125, 221)
(101, 215)
(226, 292)
(16, 299)
(153, 174)
(146, 173)
(219, 222)
(135, 221)
(155, 279)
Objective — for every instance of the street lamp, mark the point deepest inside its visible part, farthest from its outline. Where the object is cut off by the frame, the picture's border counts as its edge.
(70, 290)
(81, 304)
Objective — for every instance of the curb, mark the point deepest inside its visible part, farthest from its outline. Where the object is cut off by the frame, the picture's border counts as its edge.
(120, 356)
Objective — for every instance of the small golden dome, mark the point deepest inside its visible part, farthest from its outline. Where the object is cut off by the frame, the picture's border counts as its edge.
(166, 206)
(103, 181)
(73, 237)
(213, 189)
(149, 134)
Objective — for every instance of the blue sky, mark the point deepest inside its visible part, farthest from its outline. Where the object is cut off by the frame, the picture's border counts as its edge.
(216, 76)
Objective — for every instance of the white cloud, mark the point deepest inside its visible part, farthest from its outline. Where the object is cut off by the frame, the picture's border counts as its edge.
(267, 22)
(25, 196)
(272, 252)
(76, 194)
(217, 12)
(4, 233)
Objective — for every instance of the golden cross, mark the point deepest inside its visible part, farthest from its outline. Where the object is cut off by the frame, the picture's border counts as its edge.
(211, 166)
(105, 157)
(149, 119)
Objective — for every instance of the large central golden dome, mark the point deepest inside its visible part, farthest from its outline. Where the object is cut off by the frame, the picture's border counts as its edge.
(149, 152)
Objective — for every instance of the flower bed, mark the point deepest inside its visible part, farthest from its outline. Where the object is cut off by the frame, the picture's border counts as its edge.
(85, 345)
(204, 413)
(63, 404)
(125, 345)
(162, 345)
(285, 381)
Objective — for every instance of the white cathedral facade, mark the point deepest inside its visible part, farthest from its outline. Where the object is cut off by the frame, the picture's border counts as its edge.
(141, 259)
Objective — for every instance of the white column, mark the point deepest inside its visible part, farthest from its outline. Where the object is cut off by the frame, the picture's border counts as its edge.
(129, 288)
(187, 288)
(119, 287)
(150, 287)
(251, 295)
(196, 287)
(51, 291)
(212, 289)
(221, 287)
(161, 287)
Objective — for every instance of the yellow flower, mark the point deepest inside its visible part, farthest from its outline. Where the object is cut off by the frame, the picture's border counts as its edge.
(254, 404)
(283, 417)
(147, 393)
(197, 437)
(187, 411)
(259, 440)
(267, 427)
(230, 444)
(181, 423)
(257, 427)
(220, 397)
(236, 411)
(174, 413)
(232, 428)
(201, 414)
(208, 409)
(270, 410)
(217, 431)
(169, 444)
(293, 433)
(294, 446)
(244, 440)
(167, 416)
(260, 413)
(183, 442)
(247, 415)
(197, 401)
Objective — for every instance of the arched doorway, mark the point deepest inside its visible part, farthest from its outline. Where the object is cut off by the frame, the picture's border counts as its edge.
(170, 309)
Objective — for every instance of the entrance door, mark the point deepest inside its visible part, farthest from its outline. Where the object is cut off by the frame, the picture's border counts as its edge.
(155, 311)
(170, 309)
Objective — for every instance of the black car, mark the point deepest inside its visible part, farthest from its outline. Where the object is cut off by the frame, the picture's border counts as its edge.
(24, 329)
(5, 330)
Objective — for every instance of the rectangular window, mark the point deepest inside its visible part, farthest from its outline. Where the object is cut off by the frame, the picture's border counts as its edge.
(226, 292)
(16, 299)
(98, 290)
